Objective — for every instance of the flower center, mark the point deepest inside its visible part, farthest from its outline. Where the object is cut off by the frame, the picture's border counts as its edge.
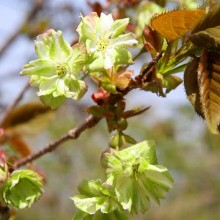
(103, 44)
(135, 171)
(61, 70)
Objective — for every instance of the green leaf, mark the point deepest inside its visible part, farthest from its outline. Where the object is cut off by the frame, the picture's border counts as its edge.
(115, 140)
(98, 111)
(210, 37)
(22, 189)
(129, 139)
(119, 26)
(133, 112)
(170, 82)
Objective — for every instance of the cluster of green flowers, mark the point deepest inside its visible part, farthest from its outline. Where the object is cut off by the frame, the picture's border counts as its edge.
(133, 179)
(60, 69)
(133, 176)
(21, 189)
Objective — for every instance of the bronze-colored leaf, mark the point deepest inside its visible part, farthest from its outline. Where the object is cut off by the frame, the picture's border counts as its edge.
(192, 87)
(122, 80)
(28, 118)
(174, 24)
(19, 145)
(207, 38)
(209, 88)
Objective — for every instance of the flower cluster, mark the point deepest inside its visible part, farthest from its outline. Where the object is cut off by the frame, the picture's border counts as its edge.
(133, 179)
(60, 68)
(137, 177)
(22, 189)
(56, 71)
(105, 41)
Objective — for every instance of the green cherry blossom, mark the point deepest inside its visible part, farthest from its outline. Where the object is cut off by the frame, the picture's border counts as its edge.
(137, 178)
(96, 201)
(105, 41)
(56, 72)
(22, 189)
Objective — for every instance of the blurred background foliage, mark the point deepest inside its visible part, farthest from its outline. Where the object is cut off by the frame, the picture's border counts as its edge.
(190, 152)
(183, 143)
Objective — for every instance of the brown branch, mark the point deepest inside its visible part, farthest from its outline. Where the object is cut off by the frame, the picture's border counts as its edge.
(37, 6)
(72, 134)
(149, 66)
(88, 123)
(13, 104)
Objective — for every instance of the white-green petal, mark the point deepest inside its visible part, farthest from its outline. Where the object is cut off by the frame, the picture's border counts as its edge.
(152, 190)
(60, 50)
(105, 23)
(123, 40)
(120, 56)
(87, 27)
(77, 89)
(159, 176)
(124, 191)
(89, 205)
(61, 88)
(42, 46)
(78, 58)
(140, 199)
(95, 62)
(40, 67)
(47, 86)
(119, 27)
(51, 45)
(52, 101)
(109, 59)
(22, 188)
(91, 46)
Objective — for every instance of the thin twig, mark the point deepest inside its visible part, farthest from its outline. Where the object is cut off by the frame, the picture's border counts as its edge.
(13, 104)
(152, 64)
(72, 134)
